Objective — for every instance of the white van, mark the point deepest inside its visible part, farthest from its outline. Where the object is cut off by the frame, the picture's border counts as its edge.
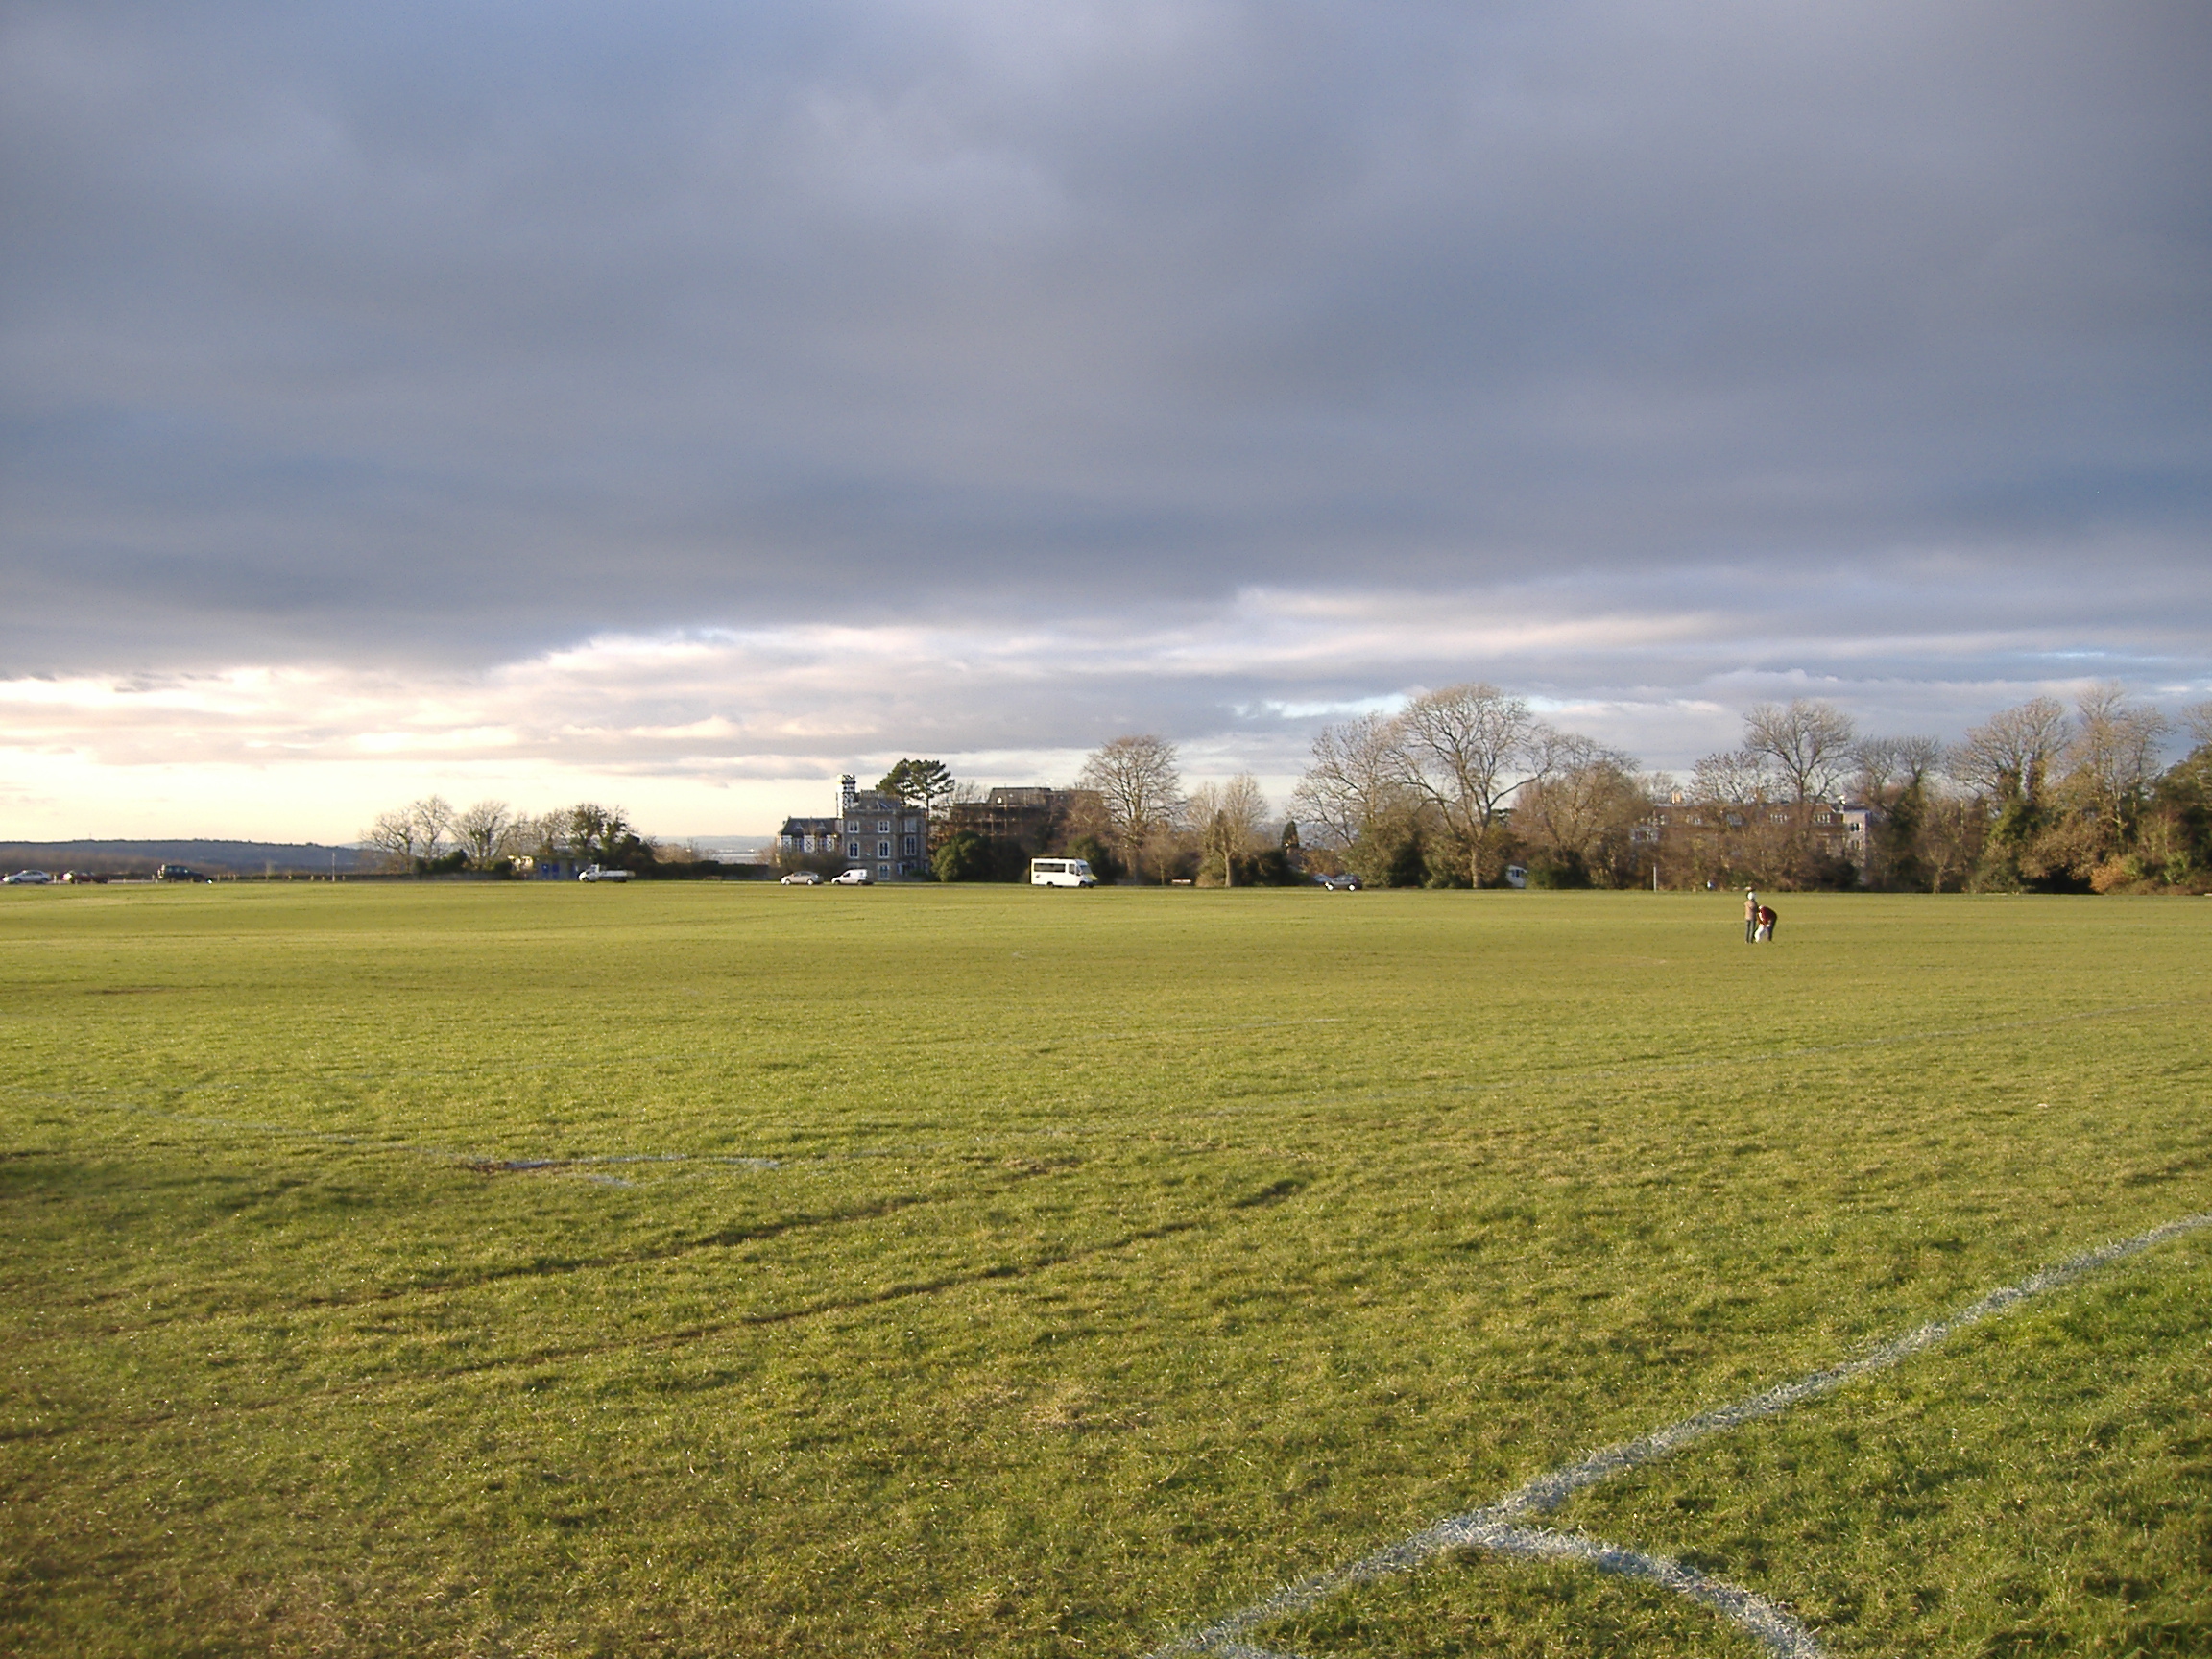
(1061, 873)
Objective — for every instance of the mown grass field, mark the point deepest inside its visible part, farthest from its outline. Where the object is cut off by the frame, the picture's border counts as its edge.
(727, 1270)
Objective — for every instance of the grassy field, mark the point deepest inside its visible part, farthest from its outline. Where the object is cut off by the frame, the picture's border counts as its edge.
(720, 1269)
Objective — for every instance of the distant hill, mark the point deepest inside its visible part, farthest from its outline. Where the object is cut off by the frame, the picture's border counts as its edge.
(212, 857)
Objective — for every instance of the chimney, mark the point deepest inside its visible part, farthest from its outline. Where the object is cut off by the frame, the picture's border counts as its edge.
(847, 795)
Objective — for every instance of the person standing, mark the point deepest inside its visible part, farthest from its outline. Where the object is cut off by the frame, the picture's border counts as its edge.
(1750, 915)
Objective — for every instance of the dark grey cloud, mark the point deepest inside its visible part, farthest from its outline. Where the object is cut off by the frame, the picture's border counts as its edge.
(450, 334)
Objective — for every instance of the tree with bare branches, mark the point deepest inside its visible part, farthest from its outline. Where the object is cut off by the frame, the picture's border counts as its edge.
(1808, 743)
(1578, 818)
(393, 834)
(1140, 788)
(2009, 756)
(1230, 821)
(1465, 752)
(1888, 767)
(483, 830)
(433, 817)
(1354, 783)
(2113, 760)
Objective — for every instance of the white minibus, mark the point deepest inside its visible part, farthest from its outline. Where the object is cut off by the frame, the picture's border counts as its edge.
(1061, 873)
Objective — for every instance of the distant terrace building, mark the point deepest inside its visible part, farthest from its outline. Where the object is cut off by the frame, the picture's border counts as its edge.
(1029, 816)
(872, 830)
(1684, 831)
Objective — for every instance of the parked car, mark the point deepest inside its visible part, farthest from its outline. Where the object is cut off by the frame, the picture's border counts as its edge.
(178, 873)
(802, 878)
(600, 873)
(1342, 882)
(79, 876)
(26, 878)
(856, 877)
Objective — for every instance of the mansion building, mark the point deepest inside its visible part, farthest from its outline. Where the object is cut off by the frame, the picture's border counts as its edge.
(890, 837)
(878, 832)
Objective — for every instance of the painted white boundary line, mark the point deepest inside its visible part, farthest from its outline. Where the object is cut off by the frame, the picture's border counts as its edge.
(1492, 1525)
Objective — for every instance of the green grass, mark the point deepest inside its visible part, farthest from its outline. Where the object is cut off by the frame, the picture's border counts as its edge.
(1010, 1272)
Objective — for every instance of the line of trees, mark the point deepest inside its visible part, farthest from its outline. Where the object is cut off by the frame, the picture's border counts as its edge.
(1220, 834)
(1466, 780)
(1462, 780)
(431, 837)
(1129, 815)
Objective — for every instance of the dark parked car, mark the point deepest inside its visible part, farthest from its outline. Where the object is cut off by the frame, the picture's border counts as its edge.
(179, 873)
(1344, 881)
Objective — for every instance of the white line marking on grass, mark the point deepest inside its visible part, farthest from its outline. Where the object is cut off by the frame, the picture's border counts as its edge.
(1494, 1526)
(1780, 1634)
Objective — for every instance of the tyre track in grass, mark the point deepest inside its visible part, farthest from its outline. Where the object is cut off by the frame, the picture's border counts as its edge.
(1441, 1093)
(1390, 1095)
(1383, 1095)
(549, 1267)
(1000, 1272)
(1497, 1526)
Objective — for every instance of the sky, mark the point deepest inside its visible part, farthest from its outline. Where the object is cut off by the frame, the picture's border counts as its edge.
(677, 405)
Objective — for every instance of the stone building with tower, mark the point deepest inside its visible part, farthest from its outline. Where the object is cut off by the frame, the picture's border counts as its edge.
(874, 831)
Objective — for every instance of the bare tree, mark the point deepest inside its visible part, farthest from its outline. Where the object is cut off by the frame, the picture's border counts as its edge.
(1139, 786)
(1354, 783)
(1917, 760)
(1465, 751)
(2197, 721)
(393, 834)
(1951, 840)
(433, 817)
(483, 830)
(1732, 777)
(2113, 758)
(1582, 812)
(538, 837)
(1229, 819)
(1808, 744)
(2010, 755)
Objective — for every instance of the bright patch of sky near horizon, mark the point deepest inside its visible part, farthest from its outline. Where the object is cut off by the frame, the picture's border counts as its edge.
(683, 406)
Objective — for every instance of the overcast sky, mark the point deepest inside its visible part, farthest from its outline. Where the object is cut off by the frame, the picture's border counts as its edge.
(680, 404)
